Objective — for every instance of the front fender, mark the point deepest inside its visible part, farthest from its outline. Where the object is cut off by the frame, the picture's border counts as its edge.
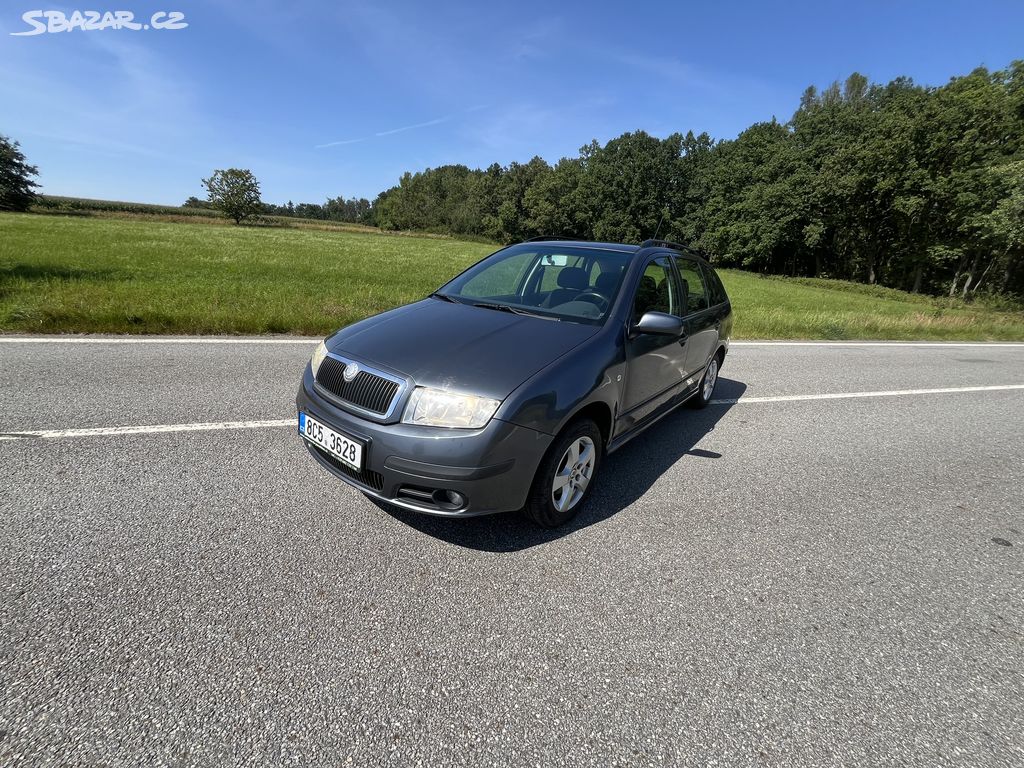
(590, 373)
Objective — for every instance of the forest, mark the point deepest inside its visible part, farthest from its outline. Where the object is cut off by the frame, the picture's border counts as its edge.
(903, 185)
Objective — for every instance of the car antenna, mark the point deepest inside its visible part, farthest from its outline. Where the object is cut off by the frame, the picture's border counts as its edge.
(660, 222)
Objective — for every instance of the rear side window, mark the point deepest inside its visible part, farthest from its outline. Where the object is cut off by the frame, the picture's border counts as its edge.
(718, 295)
(694, 289)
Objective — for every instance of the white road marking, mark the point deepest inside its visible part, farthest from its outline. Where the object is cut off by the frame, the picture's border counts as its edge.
(145, 340)
(876, 344)
(52, 434)
(848, 395)
(57, 339)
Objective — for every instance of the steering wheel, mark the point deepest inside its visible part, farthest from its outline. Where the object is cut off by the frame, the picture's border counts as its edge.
(602, 302)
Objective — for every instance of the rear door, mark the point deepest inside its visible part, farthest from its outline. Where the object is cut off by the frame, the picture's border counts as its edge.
(655, 363)
(702, 319)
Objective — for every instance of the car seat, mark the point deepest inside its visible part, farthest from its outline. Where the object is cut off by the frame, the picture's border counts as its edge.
(606, 283)
(571, 280)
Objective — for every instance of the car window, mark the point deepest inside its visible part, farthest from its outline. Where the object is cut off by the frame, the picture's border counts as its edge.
(718, 295)
(657, 290)
(693, 285)
(577, 284)
(502, 279)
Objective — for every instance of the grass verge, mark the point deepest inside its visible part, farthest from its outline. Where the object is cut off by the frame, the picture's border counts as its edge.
(142, 275)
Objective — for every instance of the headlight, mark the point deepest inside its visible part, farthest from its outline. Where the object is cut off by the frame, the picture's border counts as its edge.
(437, 408)
(318, 357)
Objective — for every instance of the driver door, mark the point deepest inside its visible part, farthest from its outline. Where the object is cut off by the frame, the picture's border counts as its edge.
(655, 364)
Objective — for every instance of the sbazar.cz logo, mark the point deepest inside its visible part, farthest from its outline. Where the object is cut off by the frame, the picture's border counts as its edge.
(41, 22)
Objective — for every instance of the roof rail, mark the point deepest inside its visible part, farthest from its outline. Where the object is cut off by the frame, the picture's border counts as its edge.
(549, 237)
(675, 246)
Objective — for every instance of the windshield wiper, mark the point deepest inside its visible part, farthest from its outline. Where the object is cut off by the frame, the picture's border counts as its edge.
(443, 297)
(513, 310)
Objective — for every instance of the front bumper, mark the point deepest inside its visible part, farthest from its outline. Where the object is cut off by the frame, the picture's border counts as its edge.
(403, 464)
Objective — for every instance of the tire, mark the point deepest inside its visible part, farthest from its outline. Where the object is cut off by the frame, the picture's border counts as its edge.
(704, 391)
(550, 505)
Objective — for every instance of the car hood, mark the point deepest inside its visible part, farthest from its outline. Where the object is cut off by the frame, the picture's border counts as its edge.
(460, 347)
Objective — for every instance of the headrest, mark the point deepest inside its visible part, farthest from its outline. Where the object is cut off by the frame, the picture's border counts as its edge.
(606, 283)
(573, 277)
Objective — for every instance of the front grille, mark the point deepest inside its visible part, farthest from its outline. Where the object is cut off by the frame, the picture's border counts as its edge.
(367, 477)
(367, 390)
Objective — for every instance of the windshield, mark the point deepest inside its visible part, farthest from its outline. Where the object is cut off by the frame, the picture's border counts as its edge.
(577, 284)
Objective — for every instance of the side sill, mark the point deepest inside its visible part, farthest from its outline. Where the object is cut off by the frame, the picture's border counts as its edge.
(620, 441)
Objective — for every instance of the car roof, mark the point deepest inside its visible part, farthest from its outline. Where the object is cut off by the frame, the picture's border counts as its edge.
(620, 247)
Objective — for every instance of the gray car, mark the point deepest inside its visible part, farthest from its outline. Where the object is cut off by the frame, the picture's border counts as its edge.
(505, 388)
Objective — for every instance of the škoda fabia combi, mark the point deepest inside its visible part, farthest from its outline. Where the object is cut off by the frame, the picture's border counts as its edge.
(505, 388)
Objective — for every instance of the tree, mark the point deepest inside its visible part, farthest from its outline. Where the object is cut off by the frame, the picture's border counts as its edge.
(552, 203)
(626, 185)
(903, 185)
(17, 189)
(1004, 227)
(236, 192)
(509, 224)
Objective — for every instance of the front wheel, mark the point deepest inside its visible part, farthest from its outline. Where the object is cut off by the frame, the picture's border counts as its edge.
(707, 385)
(565, 476)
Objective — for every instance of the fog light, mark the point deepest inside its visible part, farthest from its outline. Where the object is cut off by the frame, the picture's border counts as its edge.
(448, 499)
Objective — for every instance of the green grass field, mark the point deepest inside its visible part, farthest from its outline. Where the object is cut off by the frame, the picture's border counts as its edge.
(135, 275)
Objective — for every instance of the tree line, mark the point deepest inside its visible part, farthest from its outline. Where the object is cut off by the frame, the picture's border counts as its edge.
(350, 210)
(903, 185)
(914, 187)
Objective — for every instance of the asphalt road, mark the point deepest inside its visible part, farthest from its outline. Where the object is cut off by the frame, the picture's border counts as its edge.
(797, 582)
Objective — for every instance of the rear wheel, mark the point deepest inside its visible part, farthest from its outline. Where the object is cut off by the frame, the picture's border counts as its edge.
(707, 384)
(565, 476)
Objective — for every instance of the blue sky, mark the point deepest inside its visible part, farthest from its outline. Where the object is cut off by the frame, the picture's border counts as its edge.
(322, 99)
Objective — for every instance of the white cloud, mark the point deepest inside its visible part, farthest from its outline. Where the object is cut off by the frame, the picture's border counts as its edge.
(427, 124)
(401, 129)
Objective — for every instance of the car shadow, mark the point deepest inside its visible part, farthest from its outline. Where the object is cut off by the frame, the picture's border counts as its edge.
(625, 476)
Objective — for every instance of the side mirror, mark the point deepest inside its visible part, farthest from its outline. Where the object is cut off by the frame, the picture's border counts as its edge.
(659, 323)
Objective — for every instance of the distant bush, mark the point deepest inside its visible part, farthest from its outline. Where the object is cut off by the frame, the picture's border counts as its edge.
(58, 203)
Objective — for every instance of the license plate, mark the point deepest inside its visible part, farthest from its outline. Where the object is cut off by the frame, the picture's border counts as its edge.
(346, 449)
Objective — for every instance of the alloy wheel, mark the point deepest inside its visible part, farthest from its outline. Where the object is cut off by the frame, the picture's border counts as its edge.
(710, 378)
(573, 474)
